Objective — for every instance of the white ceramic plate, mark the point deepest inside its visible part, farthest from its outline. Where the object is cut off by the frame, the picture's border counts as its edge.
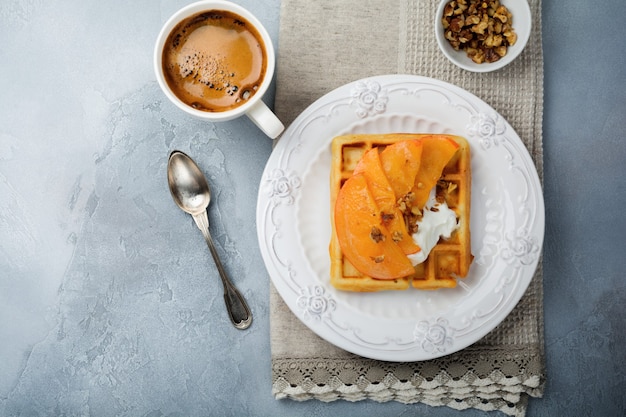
(507, 221)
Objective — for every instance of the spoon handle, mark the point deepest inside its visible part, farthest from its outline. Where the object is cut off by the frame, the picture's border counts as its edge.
(236, 305)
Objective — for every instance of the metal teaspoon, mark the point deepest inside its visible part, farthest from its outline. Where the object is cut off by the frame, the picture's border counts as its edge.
(190, 191)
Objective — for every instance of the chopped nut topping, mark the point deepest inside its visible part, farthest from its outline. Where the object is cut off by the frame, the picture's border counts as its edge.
(482, 28)
(377, 235)
(411, 218)
(396, 236)
(447, 186)
(445, 190)
(405, 203)
(386, 218)
(378, 259)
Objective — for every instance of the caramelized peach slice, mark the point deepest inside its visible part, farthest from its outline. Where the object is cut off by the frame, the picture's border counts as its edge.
(436, 153)
(401, 162)
(362, 238)
(371, 168)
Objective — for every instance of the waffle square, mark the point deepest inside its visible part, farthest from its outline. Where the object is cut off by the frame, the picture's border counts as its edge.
(448, 261)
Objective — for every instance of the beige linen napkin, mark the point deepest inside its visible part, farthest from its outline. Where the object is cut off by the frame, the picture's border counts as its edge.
(324, 44)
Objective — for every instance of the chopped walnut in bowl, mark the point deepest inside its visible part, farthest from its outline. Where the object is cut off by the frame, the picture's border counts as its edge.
(482, 35)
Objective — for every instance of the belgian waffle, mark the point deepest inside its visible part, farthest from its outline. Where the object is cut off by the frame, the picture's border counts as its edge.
(449, 259)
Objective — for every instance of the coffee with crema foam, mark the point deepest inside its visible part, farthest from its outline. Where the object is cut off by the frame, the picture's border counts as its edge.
(214, 61)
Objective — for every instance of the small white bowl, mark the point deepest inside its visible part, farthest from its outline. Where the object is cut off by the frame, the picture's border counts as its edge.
(522, 24)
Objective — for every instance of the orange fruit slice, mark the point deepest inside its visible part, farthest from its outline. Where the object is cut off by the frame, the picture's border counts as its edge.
(401, 162)
(364, 241)
(371, 168)
(437, 150)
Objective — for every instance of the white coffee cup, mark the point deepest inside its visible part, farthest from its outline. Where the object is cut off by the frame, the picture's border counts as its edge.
(253, 107)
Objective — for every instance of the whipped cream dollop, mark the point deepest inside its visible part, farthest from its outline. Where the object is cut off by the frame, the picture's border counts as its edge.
(433, 226)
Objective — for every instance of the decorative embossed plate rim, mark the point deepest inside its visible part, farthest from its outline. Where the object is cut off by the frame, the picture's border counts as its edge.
(507, 221)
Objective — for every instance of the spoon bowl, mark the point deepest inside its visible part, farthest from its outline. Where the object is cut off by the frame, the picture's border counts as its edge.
(190, 191)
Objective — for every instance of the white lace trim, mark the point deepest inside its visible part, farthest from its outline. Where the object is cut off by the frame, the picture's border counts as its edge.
(331, 380)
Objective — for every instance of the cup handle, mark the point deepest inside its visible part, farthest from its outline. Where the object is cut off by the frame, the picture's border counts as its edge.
(265, 119)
